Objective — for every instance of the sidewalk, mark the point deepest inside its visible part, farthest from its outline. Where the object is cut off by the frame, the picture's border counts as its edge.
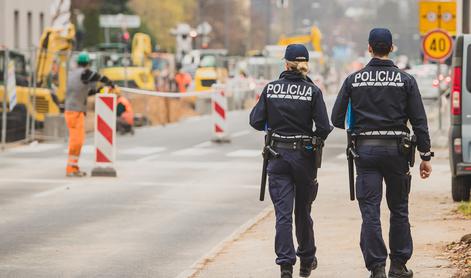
(337, 226)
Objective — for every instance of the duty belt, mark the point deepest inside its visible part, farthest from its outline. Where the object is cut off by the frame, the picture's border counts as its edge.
(382, 133)
(377, 142)
(291, 137)
(285, 145)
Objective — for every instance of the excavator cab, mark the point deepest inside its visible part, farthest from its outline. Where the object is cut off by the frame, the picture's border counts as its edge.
(21, 73)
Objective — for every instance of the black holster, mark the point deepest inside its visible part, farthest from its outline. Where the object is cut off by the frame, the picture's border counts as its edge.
(407, 147)
(313, 148)
(318, 145)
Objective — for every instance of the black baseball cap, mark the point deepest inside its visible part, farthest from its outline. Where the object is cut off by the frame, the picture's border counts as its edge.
(296, 53)
(380, 37)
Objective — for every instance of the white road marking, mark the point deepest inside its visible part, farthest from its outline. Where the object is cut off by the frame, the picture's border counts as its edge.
(149, 157)
(142, 150)
(24, 180)
(244, 153)
(240, 133)
(203, 145)
(35, 148)
(86, 149)
(51, 191)
(192, 152)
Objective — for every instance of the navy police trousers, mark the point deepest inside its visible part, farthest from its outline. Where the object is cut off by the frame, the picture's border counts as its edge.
(292, 183)
(375, 164)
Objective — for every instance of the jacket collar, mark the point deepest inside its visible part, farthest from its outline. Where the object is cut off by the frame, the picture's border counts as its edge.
(376, 62)
(292, 75)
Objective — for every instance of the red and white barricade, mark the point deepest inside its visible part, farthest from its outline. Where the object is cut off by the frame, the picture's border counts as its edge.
(219, 115)
(105, 135)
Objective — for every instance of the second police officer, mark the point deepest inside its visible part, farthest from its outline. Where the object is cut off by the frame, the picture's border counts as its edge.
(288, 107)
(382, 100)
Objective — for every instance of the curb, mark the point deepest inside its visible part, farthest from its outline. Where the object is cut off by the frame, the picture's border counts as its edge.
(201, 263)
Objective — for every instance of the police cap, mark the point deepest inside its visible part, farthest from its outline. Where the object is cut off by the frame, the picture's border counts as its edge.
(296, 52)
(380, 37)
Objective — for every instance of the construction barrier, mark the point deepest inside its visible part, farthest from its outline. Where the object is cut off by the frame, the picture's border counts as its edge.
(219, 113)
(218, 107)
(105, 135)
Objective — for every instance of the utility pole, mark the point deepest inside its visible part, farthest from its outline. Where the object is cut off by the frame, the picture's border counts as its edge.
(463, 21)
(226, 24)
(5, 97)
(269, 14)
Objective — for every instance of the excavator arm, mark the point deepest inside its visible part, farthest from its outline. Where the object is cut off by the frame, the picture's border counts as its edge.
(55, 47)
(141, 50)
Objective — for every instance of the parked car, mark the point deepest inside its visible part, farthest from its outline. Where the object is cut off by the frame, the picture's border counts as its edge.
(460, 128)
(428, 80)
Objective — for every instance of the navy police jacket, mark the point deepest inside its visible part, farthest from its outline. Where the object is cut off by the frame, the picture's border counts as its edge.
(289, 106)
(382, 98)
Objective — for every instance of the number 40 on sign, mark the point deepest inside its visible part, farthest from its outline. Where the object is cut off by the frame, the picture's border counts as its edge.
(437, 45)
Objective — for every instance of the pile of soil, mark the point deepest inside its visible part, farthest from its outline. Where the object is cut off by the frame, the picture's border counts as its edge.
(459, 253)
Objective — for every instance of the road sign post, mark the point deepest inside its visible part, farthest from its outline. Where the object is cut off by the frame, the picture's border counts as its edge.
(437, 46)
(4, 107)
(11, 88)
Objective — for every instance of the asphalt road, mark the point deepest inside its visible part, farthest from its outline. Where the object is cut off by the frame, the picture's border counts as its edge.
(177, 196)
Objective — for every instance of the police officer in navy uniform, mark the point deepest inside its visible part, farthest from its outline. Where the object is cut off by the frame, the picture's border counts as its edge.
(382, 100)
(289, 106)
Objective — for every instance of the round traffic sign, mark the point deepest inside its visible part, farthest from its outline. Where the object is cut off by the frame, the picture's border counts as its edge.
(437, 45)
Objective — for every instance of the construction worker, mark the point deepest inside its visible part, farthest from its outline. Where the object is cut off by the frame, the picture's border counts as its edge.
(125, 114)
(80, 84)
(182, 79)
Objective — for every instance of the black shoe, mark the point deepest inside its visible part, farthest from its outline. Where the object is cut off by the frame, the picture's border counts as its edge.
(286, 271)
(399, 270)
(306, 268)
(378, 272)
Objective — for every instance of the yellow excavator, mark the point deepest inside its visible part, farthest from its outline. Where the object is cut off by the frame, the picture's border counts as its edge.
(312, 40)
(138, 73)
(51, 67)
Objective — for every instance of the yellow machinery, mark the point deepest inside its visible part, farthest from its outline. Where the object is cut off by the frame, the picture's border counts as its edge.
(139, 73)
(141, 50)
(311, 40)
(137, 77)
(53, 54)
(55, 47)
(211, 68)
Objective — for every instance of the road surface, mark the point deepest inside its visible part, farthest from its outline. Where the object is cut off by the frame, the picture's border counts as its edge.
(177, 196)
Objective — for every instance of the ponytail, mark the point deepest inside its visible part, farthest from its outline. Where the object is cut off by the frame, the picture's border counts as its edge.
(301, 67)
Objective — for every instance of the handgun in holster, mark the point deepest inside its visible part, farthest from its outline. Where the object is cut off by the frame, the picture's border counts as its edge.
(267, 154)
(407, 147)
(318, 145)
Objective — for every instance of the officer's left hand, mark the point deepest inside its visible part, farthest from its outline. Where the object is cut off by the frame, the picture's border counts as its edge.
(425, 169)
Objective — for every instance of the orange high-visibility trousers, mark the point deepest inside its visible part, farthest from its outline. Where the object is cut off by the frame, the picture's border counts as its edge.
(76, 124)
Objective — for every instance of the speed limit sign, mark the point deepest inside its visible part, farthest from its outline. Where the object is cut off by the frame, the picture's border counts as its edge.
(437, 45)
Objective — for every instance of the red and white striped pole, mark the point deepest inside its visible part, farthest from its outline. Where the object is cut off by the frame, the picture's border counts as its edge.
(105, 135)
(219, 109)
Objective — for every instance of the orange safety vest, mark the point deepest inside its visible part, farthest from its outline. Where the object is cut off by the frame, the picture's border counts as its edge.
(183, 80)
(128, 114)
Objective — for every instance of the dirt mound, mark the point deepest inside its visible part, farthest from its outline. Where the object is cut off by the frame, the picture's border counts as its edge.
(459, 253)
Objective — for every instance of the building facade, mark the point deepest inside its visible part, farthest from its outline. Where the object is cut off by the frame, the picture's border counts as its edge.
(22, 22)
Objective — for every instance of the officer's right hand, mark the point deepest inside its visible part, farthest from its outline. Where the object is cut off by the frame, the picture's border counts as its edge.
(425, 169)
